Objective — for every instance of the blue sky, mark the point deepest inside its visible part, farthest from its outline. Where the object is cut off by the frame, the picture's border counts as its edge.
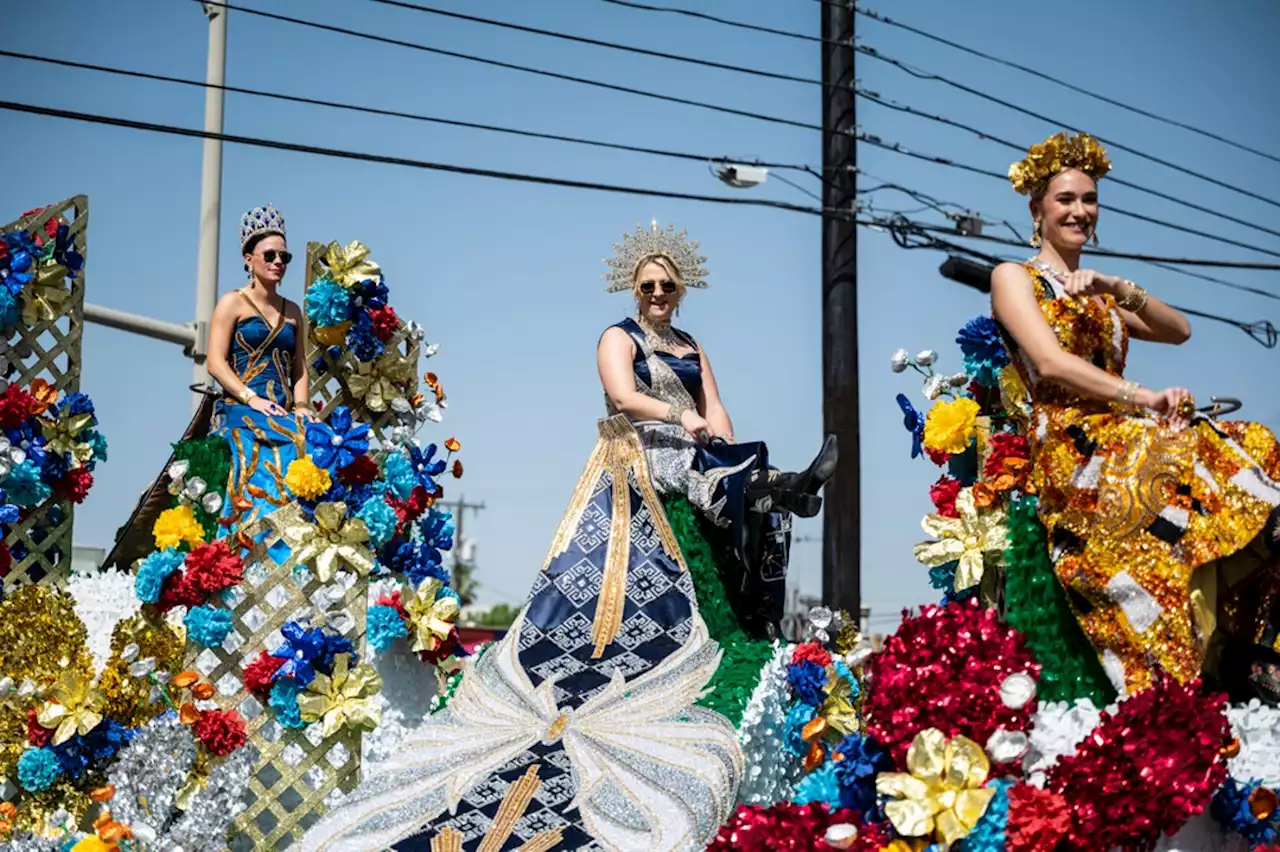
(506, 276)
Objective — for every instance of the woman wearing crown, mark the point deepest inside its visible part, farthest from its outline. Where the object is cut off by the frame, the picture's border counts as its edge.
(579, 729)
(1162, 523)
(257, 354)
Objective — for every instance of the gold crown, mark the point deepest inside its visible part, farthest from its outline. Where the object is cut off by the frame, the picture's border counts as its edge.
(1057, 154)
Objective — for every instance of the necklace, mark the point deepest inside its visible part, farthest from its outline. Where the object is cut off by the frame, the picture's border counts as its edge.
(1046, 267)
(658, 336)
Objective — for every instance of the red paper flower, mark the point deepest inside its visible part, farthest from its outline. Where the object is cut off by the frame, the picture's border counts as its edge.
(394, 601)
(1145, 769)
(444, 651)
(943, 494)
(943, 669)
(212, 567)
(786, 826)
(6, 559)
(1038, 819)
(385, 323)
(176, 591)
(1004, 445)
(811, 652)
(75, 484)
(221, 731)
(362, 471)
(37, 735)
(938, 457)
(257, 675)
(15, 407)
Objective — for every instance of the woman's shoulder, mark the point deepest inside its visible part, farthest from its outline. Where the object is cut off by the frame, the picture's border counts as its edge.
(1012, 273)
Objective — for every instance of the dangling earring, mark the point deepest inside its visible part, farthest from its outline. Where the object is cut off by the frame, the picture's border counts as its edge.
(1035, 235)
(1094, 235)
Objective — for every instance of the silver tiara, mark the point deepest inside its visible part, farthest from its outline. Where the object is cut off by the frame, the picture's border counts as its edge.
(645, 243)
(258, 221)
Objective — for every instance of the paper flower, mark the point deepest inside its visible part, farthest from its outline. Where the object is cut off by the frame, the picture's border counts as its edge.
(384, 626)
(386, 379)
(327, 303)
(349, 265)
(976, 539)
(38, 768)
(338, 442)
(306, 480)
(75, 707)
(942, 793)
(950, 425)
(431, 615)
(177, 526)
(343, 699)
(334, 540)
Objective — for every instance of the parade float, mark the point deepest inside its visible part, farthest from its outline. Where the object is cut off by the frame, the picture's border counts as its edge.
(211, 690)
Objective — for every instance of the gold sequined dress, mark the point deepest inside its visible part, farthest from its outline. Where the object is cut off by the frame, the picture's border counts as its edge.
(1159, 537)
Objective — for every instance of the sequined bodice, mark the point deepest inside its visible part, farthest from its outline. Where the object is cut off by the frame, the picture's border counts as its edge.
(262, 357)
(661, 375)
(1089, 328)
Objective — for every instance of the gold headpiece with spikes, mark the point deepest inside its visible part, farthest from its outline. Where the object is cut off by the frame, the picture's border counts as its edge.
(1057, 154)
(635, 247)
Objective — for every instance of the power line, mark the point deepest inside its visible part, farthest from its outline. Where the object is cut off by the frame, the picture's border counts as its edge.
(511, 66)
(595, 42)
(116, 121)
(926, 75)
(703, 16)
(1072, 86)
(163, 78)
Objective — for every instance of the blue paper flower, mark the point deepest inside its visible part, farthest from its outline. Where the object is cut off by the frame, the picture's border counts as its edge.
(989, 833)
(808, 680)
(425, 466)
(152, 572)
(9, 311)
(798, 715)
(29, 439)
(76, 403)
(384, 626)
(862, 759)
(370, 294)
(327, 303)
(54, 467)
(284, 701)
(336, 444)
(984, 352)
(364, 343)
(9, 512)
(380, 519)
(99, 444)
(1230, 807)
(64, 252)
(399, 473)
(416, 560)
(914, 421)
(25, 485)
(301, 649)
(207, 626)
(38, 768)
(819, 786)
(91, 750)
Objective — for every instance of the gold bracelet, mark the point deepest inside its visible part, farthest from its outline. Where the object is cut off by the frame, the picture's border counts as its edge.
(1135, 300)
(675, 413)
(1127, 392)
(248, 396)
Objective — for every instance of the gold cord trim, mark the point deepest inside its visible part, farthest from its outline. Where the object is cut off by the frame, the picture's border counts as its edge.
(449, 840)
(512, 808)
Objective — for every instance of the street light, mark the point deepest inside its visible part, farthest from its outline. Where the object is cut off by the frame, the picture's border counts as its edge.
(740, 176)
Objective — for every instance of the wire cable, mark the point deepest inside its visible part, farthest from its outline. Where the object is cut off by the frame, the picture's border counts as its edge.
(703, 16)
(511, 66)
(132, 124)
(531, 134)
(1066, 85)
(866, 50)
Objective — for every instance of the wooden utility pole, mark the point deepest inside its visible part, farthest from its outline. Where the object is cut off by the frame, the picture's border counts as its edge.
(463, 583)
(842, 518)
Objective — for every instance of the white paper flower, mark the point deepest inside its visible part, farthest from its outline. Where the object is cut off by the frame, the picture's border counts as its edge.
(899, 361)
(926, 357)
(1017, 690)
(933, 387)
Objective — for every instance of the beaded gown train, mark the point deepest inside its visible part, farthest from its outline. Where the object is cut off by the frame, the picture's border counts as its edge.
(578, 730)
(1160, 537)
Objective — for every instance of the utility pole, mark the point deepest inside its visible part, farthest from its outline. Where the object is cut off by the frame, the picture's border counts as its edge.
(210, 193)
(842, 518)
(459, 507)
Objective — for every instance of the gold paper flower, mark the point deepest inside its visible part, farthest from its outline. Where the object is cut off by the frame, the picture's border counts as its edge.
(431, 619)
(306, 480)
(176, 525)
(343, 699)
(942, 793)
(332, 541)
(976, 539)
(383, 381)
(45, 298)
(332, 335)
(43, 395)
(75, 708)
(1057, 154)
(950, 425)
(349, 265)
(63, 435)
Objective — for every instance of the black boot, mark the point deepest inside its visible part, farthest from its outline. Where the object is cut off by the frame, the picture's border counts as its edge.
(796, 493)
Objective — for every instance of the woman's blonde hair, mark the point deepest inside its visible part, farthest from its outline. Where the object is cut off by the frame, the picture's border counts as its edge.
(667, 264)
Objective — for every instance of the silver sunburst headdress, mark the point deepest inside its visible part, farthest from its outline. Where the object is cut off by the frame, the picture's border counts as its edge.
(647, 242)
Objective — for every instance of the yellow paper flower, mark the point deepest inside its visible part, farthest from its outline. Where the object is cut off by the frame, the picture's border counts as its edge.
(901, 845)
(378, 384)
(332, 541)
(43, 395)
(63, 434)
(45, 299)
(343, 700)
(176, 525)
(349, 265)
(1013, 394)
(332, 335)
(950, 425)
(942, 794)
(75, 708)
(306, 480)
(976, 539)
(430, 619)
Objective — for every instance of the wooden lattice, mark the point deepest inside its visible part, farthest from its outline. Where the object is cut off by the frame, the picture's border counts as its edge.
(296, 769)
(50, 350)
(328, 374)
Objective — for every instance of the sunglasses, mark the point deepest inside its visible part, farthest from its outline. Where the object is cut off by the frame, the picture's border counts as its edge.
(647, 287)
(270, 256)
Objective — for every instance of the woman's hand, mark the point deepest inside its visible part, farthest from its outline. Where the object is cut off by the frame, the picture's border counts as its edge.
(306, 413)
(1090, 282)
(266, 406)
(696, 425)
(1168, 403)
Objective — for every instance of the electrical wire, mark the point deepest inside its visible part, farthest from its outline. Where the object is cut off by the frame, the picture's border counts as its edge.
(340, 153)
(866, 50)
(511, 66)
(530, 134)
(876, 16)
(703, 16)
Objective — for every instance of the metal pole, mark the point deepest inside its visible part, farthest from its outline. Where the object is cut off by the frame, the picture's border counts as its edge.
(210, 193)
(183, 335)
(842, 517)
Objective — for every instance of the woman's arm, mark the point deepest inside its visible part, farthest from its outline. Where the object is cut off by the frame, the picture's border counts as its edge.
(1014, 305)
(301, 375)
(614, 358)
(221, 328)
(1155, 321)
(711, 407)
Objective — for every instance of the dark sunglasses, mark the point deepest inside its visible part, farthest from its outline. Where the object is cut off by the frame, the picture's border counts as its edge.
(270, 256)
(647, 287)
